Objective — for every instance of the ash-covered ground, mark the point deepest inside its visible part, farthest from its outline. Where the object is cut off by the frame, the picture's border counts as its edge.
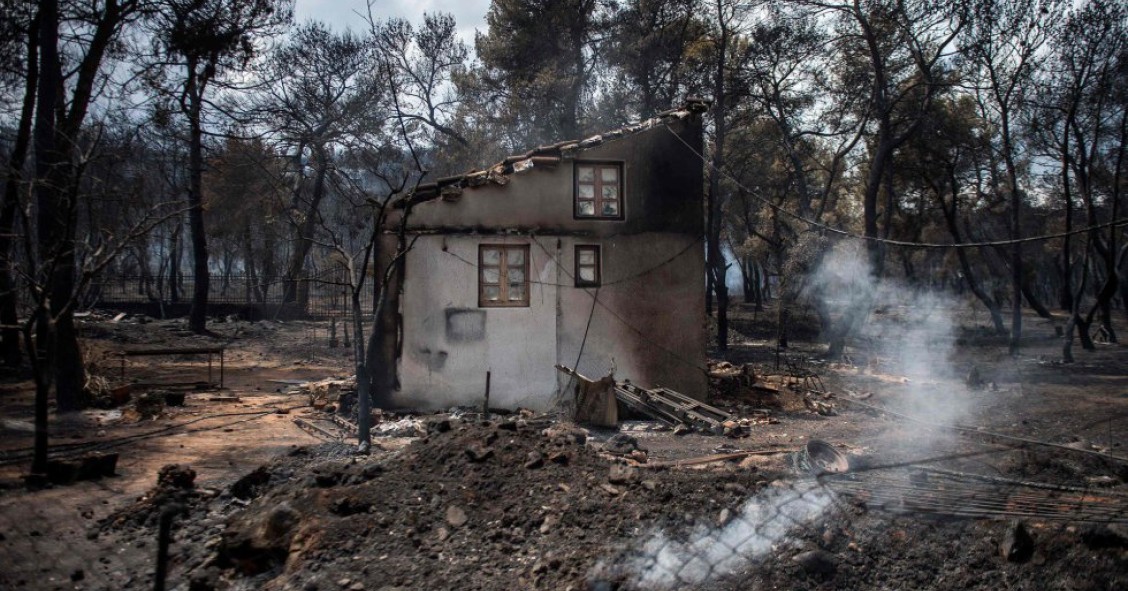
(527, 502)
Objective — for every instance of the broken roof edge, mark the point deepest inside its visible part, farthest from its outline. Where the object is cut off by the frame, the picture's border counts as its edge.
(450, 188)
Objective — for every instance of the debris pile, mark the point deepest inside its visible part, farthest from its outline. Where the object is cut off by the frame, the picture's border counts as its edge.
(740, 384)
(511, 504)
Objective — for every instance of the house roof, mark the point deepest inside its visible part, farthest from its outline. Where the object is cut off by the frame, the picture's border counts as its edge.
(450, 188)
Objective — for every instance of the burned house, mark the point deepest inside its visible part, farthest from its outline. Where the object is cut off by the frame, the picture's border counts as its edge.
(584, 253)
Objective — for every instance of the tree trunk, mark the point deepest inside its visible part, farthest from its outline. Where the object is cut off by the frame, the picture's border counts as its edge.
(56, 204)
(1032, 298)
(10, 335)
(198, 316)
(296, 286)
(951, 217)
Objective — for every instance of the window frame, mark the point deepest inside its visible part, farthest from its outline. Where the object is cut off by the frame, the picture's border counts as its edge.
(598, 266)
(597, 191)
(503, 283)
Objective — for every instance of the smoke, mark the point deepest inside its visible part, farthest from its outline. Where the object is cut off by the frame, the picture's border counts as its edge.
(762, 524)
(907, 336)
(904, 338)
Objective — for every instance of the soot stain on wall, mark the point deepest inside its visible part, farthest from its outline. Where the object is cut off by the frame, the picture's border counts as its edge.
(464, 325)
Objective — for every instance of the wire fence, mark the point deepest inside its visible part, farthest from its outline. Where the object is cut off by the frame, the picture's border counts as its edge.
(323, 295)
(789, 517)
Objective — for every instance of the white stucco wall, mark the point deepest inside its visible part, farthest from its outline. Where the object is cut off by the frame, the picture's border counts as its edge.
(445, 361)
(647, 323)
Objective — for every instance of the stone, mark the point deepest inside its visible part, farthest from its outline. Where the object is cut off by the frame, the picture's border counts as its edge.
(650, 485)
(455, 516)
(279, 522)
(565, 435)
(437, 425)
(1101, 536)
(1017, 545)
(622, 474)
(818, 562)
(534, 460)
(549, 523)
(478, 453)
(621, 444)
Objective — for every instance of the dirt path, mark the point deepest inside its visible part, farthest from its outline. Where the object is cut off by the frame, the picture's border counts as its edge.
(46, 541)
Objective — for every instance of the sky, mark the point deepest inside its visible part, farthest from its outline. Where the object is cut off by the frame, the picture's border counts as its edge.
(342, 14)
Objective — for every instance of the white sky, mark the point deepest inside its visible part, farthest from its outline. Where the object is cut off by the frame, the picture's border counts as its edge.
(341, 14)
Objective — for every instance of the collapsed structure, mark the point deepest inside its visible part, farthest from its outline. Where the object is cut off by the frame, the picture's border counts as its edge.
(583, 253)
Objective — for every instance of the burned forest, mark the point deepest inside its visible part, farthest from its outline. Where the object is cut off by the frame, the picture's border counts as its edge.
(573, 295)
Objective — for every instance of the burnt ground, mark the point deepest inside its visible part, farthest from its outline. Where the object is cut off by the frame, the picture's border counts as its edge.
(519, 502)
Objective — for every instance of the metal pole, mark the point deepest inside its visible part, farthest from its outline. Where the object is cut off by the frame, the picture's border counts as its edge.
(164, 536)
(486, 403)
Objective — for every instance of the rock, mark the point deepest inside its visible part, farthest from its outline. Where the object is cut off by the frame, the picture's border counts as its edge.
(611, 490)
(682, 430)
(549, 523)
(974, 379)
(622, 474)
(534, 460)
(562, 434)
(621, 444)
(650, 485)
(478, 453)
(443, 534)
(437, 425)
(818, 562)
(279, 522)
(724, 517)
(455, 516)
(1100, 536)
(734, 429)
(559, 457)
(1017, 546)
(176, 476)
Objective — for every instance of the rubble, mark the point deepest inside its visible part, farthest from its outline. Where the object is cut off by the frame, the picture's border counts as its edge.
(431, 516)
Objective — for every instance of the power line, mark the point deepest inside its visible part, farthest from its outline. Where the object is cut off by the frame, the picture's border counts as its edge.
(890, 241)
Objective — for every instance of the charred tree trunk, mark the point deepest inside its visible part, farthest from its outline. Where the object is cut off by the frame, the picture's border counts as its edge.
(9, 298)
(55, 198)
(1032, 298)
(951, 218)
(198, 316)
(296, 286)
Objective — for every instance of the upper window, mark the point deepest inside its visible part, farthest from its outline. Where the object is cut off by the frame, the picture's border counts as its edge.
(503, 275)
(587, 266)
(599, 190)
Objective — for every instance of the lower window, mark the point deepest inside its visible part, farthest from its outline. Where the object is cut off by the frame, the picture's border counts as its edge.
(588, 263)
(503, 275)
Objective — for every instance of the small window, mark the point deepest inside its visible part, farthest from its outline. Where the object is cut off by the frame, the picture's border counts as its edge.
(588, 263)
(503, 275)
(599, 190)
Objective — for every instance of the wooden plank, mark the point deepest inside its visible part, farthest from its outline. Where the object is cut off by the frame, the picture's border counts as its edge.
(172, 351)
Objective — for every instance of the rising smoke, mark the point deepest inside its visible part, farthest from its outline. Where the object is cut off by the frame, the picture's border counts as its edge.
(762, 524)
(908, 336)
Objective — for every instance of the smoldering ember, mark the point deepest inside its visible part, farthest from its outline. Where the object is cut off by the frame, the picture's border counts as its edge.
(576, 295)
